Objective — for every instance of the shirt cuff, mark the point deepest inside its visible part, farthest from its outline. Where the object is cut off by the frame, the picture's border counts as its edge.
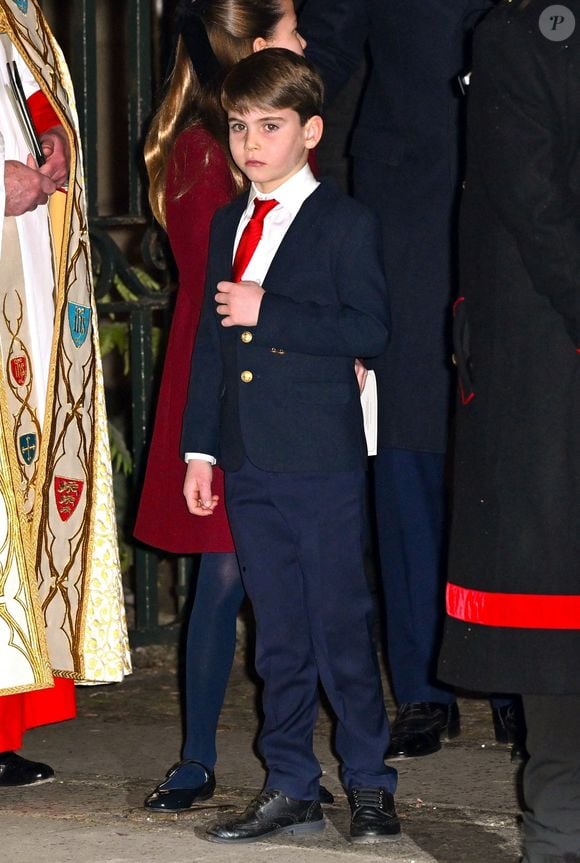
(202, 456)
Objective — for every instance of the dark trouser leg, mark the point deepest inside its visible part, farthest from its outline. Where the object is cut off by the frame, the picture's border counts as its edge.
(284, 654)
(552, 778)
(411, 510)
(300, 539)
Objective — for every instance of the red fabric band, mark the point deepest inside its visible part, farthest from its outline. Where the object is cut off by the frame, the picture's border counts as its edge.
(44, 116)
(18, 713)
(515, 610)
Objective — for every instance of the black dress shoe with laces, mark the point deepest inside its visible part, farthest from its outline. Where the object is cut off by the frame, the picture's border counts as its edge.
(419, 728)
(269, 814)
(509, 726)
(164, 799)
(15, 771)
(373, 815)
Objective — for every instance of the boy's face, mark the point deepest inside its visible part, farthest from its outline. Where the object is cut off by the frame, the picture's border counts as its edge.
(270, 145)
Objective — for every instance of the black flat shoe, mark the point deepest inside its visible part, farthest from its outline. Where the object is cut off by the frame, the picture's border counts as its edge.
(373, 815)
(269, 814)
(164, 799)
(15, 770)
(419, 728)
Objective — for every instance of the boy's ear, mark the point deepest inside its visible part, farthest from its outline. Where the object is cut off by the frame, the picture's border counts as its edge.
(313, 131)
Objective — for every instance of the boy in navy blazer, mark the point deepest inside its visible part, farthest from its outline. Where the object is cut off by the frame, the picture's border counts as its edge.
(275, 401)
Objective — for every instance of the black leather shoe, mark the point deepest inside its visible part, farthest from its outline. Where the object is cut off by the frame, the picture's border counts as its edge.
(268, 814)
(510, 727)
(326, 796)
(15, 770)
(373, 816)
(506, 723)
(164, 799)
(519, 753)
(419, 728)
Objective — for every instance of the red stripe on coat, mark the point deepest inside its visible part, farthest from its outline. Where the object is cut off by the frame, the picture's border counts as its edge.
(515, 610)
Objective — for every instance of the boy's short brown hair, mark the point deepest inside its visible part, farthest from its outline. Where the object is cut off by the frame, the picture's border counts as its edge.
(274, 78)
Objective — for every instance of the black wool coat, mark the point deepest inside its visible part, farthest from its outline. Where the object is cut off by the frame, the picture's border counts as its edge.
(514, 577)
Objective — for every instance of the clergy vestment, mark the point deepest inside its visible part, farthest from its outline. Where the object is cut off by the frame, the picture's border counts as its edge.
(61, 606)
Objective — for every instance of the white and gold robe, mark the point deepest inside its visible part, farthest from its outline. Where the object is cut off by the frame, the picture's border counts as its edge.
(61, 604)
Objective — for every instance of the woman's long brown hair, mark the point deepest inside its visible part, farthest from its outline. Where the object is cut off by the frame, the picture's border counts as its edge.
(231, 26)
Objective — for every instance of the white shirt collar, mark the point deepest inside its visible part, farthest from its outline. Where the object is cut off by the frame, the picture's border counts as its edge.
(291, 194)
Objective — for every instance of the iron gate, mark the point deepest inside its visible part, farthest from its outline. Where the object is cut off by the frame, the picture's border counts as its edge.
(115, 49)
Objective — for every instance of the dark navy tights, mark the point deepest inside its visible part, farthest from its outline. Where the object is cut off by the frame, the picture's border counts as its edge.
(211, 643)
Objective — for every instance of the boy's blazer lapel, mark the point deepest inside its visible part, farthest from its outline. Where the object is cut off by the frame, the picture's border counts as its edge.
(292, 248)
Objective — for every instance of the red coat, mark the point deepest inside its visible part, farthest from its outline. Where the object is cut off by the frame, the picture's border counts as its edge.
(198, 166)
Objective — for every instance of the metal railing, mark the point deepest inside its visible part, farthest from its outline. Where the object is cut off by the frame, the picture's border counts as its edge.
(112, 49)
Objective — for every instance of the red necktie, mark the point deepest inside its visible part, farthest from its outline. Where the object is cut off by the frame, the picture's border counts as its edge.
(251, 237)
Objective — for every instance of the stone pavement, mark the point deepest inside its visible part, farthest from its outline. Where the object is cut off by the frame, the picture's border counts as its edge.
(457, 806)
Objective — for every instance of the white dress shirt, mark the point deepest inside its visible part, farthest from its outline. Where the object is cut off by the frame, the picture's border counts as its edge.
(290, 196)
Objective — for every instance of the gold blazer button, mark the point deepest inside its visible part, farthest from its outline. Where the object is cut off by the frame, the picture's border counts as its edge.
(246, 337)
(247, 377)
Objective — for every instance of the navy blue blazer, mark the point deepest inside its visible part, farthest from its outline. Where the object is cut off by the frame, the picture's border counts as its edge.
(406, 156)
(283, 393)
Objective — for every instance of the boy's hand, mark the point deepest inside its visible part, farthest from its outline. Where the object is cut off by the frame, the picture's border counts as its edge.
(239, 303)
(197, 488)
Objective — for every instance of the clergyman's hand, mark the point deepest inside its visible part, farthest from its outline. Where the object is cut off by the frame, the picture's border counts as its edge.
(26, 187)
(56, 148)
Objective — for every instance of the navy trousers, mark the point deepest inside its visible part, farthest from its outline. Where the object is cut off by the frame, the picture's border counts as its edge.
(411, 509)
(300, 541)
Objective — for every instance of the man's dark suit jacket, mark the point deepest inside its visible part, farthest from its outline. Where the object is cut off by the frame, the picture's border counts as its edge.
(325, 304)
(405, 149)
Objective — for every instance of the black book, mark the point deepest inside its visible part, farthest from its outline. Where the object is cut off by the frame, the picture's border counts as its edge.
(24, 115)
